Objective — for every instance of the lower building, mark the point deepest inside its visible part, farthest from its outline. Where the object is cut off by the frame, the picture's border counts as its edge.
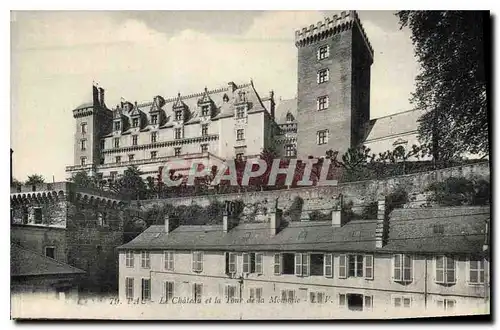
(412, 260)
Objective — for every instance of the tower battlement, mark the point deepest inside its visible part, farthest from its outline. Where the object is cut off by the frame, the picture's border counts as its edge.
(330, 26)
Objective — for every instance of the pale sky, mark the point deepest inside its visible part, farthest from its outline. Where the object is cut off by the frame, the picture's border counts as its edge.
(139, 54)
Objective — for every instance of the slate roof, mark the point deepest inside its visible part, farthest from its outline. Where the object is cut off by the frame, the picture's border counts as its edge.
(410, 230)
(24, 262)
(284, 107)
(398, 124)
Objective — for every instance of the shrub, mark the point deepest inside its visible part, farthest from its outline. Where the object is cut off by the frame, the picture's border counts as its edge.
(452, 192)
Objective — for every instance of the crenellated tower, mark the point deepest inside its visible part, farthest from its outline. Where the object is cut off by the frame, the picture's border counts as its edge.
(333, 103)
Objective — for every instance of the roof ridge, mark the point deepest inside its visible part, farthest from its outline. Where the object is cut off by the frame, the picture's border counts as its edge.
(47, 258)
(398, 113)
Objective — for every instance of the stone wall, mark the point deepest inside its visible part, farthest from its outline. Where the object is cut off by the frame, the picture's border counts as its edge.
(322, 199)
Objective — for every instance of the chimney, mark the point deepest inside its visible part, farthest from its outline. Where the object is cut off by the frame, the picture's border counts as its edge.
(95, 95)
(101, 96)
(275, 219)
(272, 105)
(228, 215)
(338, 215)
(381, 230)
(171, 222)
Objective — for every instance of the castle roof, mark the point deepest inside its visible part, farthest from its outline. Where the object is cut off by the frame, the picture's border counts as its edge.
(392, 126)
(284, 107)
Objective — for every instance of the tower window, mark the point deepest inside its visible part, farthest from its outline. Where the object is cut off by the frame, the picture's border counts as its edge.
(117, 125)
(177, 152)
(289, 117)
(240, 112)
(204, 129)
(323, 52)
(37, 213)
(323, 76)
(103, 144)
(322, 137)
(130, 157)
(154, 119)
(289, 150)
(154, 154)
(178, 133)
(240, 134)
(116, 142)
(83, 161)
(154, 136)
(322, 102)
(84, 128)
(178, 115)
(50, 251)
(83, 144)
(134, 140)
(135, 122)
(118, 159)
(204, 148)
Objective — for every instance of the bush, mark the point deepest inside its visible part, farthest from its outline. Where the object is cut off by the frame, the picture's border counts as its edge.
(295, 210)
(453, 192)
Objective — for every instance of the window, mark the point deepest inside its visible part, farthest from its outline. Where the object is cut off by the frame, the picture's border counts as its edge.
(154, 119)
(197, 261)
(302, 264)
(134, 140)
(83, 144)
(154, 154)
(476, 271)
(446, 304)
(287, 296)
(83, 161)
(401, 301)
(368, 302)
(146, 289)
(445, 270)
(145, 259)
(323, 76)
(118, 125)
(356, 266)
(322, 102)
(197, 291)
(129, 288)
(229, 292)
(178, 115)
(402, 268)
(289, 117)
(177, 152)
(118, 159)
(154, 136)
(255, 294)
(258, 263)
(288, 260)
(116, 142)
(103, 144)
(323, 52)
(240, 134)
(230, 263)
(239, 155)
(168, 260)
(317, 297)
(240, 112)
(204, 148)
(113, 175)
(204, 129)
(438, 229)
(135, 122)
(289, 150)
(169, 290)
(178, 133)
(205, 110)
(50, 251)
(328, 265)
(356, 302)
(277, 263)
(322, 137)
(102, 219)
(248, 263)
(129, 259)
(84, 128)
(130, 158)
(37, 213)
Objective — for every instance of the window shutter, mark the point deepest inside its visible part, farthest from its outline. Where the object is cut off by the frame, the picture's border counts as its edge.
(258, 263)
(407, 268)
(327, 50)
(369, 266)
(439, 262)
(227, 262)
(318, 53)
(298, 264)
(328, 265)
(369, 302)
(327, 101)
(283, 295)
(277, 264)
(232, 263)
(246, 263)
(305, 264)
(312, 297)
(342, 298)
(450, 270)
(342, 266)
(396, 267)
(252, 262)
(194, 261)
(327, 75)
(317, 77)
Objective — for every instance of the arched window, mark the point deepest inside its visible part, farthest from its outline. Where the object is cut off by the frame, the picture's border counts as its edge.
(289, 117)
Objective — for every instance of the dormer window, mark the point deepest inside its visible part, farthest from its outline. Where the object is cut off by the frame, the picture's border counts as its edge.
(289, 117)
(178, 115)
(154, 119)
(205, 110)
(117, 126)
(154, 136)
(240, 112)
(135, 122)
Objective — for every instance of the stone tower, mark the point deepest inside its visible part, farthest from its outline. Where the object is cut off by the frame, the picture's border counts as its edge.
(93, 120)
(333, 103)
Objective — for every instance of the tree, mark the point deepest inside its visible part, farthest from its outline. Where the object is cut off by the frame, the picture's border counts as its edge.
(82, 179)
(34, 180)
(130, 185)
(449, 46)
(400, 154)
(16, 183)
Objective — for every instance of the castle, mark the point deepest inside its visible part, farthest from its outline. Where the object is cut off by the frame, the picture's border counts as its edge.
(331, 111)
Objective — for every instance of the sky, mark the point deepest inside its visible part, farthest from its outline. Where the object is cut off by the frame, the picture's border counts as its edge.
(56, 56)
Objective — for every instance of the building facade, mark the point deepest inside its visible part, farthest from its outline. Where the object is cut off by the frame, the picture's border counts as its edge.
(331, 111)
(402, 263)
(71, 225)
